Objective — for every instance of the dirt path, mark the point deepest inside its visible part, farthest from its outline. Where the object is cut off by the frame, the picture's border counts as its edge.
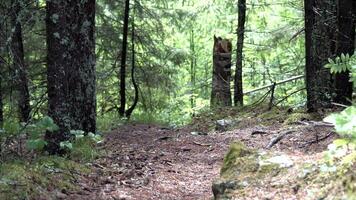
(148, 162)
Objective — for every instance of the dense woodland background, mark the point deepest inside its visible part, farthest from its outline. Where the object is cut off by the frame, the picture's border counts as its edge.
(79, 61)
(71, 70)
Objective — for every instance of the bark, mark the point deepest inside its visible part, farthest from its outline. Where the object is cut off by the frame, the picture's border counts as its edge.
(238, 89)
(193, 63)
(123, 60)
(320, 29)
(346, 40)
(19, 66)
(221, 93)
(132, 108)
(71, 68)
(1, 96)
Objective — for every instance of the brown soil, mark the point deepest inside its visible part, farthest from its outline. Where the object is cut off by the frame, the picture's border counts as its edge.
(151, 162)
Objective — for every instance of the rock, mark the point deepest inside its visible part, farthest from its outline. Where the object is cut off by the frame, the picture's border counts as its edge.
(282, 161)
(223, 124)
(60, 195)
(220, 186)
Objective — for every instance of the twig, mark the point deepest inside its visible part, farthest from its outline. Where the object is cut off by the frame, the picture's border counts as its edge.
(201, 144)
(314, 123)
(278, 138)
(316, 140)
(340, 105)
(286, 97)
(259, 132)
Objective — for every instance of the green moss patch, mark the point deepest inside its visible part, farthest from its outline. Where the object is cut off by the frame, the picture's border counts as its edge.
(31, 180)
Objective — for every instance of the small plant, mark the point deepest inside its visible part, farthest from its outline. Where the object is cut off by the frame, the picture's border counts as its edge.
(82, 146)
(36, 133)
(344, 122)
(342, 64)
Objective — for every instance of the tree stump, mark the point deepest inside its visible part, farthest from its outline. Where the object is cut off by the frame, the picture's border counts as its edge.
(221, 92)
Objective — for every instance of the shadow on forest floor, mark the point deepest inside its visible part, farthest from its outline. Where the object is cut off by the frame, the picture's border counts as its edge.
(150, 162)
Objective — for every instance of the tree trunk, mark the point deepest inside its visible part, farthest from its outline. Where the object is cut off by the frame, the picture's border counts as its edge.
(320, 29)
(19, 66)
(131, 109)
(193, 63)
(123, 60)
(221, 93)
(238, 90)
(71, 68)
(346, 45)
(1, 93)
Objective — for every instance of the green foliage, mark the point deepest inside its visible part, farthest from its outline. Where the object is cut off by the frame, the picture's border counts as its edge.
(31, 180)
(36, 133)
(344, 122)
(82, 146)
(342, 64)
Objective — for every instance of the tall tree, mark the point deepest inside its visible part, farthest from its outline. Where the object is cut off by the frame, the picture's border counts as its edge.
(238, 90)
(320, 29)
(19, 67)
(71, 68)
(123, 59)
(133, 66)
(193, 64)
(345, 45)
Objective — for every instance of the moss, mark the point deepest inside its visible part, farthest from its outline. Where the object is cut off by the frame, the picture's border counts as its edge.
(84, 150)
(239, 161)
(31, 180)
(295, 117)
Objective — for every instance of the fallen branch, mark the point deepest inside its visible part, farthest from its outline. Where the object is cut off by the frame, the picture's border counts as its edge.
(259, 132)
(201, 144)
(340, 105)
(315, 123)
(316, 140)
(278, 138)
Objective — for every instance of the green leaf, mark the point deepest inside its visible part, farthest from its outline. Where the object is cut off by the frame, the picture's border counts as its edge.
(37, 144)
(48, 124)
(77, 133)
(66, 145)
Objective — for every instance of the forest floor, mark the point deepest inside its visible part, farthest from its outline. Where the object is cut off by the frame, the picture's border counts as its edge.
(142, 161)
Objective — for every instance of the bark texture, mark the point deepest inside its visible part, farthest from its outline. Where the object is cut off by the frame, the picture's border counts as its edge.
(221, 92)
(133, 66)
(320, 29)
(123, 60)
(238, 91)
(19, 67)
(1, 93)
(345, 45)
(71, 68)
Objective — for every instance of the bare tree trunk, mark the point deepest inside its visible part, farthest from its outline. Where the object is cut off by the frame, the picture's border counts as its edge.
(19, 66)
(71, 68)
(131, 109)
(221, 93)
(193, 63)
(346, 45)
(1, 95)
(320, 29)
(123, 60)
(238, 89)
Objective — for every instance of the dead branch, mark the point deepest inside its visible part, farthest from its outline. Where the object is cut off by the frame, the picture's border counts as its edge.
(278, 138)
(259, 132)
(201, 144)
(316, 140)
(316, 124)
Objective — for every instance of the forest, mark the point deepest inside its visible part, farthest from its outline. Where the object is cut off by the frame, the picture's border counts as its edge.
(184, 99)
